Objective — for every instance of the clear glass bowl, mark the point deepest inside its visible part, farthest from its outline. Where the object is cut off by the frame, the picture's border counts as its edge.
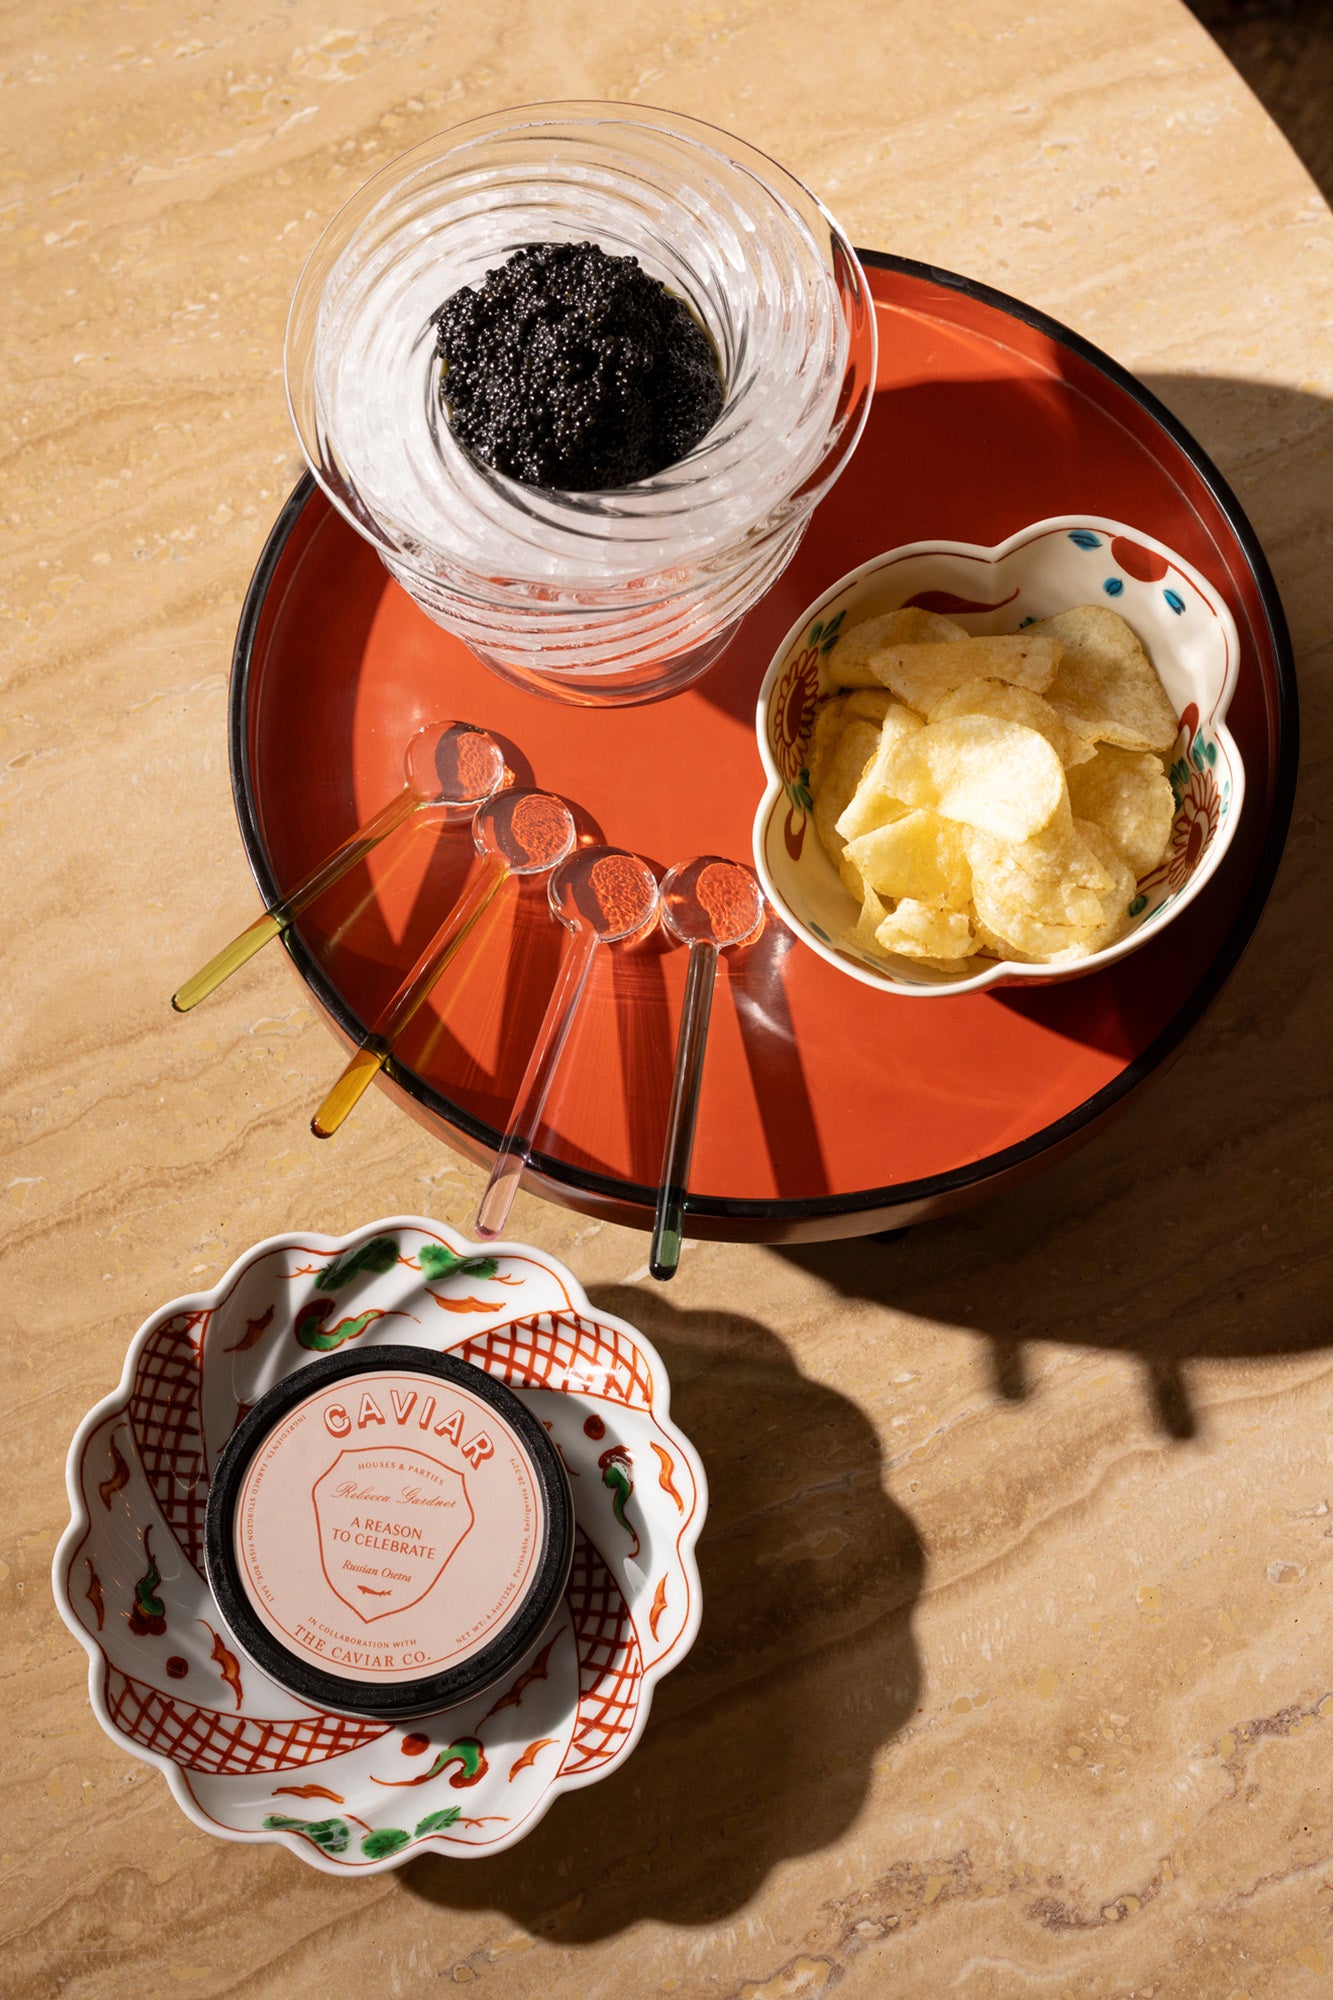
(613, 596)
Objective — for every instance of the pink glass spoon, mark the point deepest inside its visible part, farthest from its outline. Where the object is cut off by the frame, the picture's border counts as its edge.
(514, 833)
(447, 765)
(711, 905)
(603, 896)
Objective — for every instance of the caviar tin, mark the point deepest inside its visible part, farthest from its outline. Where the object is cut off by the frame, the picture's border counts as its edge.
(388, 1534)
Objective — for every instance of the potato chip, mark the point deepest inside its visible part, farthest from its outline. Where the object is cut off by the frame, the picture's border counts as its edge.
(924, 930)
(1014, 704)
(1117, 898)
(871, 917)
(840, 775)
(1126, 794)
(873, 804)
(959, 834)
(848, 664)
(1107, 688)
(830, 719)
(1063, 895)
(922, 675)
(991, 774)
(919, 855)
(1053, 883)
(868, 704)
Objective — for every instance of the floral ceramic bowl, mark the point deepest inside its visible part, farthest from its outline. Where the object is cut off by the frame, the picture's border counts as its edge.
(250, 1761)
(1188, 632)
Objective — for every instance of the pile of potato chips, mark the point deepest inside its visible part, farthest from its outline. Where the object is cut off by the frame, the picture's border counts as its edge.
(992, 796)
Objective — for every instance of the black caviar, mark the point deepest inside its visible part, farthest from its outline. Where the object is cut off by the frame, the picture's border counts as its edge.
(571, 369)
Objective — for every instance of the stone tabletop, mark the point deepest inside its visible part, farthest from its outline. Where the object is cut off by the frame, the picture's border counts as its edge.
(1015, 1675)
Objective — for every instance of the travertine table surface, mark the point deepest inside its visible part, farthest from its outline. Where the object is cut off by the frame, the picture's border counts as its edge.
(1015, 1675)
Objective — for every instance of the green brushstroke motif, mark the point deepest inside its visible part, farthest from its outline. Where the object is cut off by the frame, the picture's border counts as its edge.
(377, 1256)
(310, 1331)
(333, 1835)
(438, 1261)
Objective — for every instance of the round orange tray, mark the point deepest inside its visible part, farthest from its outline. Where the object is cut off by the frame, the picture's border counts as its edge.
(829, 1109)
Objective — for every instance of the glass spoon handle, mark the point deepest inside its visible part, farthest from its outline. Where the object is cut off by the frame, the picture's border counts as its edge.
(277, 917)
(375, 1051)
(669, 1216)
(525, 1119)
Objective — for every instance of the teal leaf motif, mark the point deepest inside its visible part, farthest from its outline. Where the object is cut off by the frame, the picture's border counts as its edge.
(436, 1822)
(380, 1254)
(387, 1840)
(437, 1260)
(333, 1835)
(816, 631)
(1139, 904)
(831, 634)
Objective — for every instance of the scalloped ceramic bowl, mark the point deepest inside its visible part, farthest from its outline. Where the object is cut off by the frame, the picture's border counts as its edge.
(1051, 566)
(245, 1758)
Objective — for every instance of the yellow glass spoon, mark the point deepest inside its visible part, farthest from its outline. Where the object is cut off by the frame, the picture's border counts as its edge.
(449, 766)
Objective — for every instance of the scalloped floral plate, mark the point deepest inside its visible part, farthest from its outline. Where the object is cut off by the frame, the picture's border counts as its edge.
(1190, 636)
(249, 1761)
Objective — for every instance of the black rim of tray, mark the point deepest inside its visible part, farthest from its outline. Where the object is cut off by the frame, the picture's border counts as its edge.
(902, 1194)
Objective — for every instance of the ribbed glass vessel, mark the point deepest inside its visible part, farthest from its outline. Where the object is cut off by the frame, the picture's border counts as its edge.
(612, 596)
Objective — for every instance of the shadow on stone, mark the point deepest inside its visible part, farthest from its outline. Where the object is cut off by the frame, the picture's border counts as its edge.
(761, 1744)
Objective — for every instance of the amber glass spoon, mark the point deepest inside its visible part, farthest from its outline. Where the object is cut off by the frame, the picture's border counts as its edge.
(711, 905)
(602, 896)
(448, 766)
(515, 833)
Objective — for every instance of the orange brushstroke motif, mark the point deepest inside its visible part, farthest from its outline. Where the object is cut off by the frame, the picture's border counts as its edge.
(665, 1481)
(226, 1660)
(119, 1477)
(308, 1792)
(467, 1753)
(466, 1305)
(659, 1606)
(536, 1672)
(529, 1756)
(254, 1328)
(94, 1594)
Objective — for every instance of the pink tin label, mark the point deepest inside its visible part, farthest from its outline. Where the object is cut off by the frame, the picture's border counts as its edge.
(388, 1527)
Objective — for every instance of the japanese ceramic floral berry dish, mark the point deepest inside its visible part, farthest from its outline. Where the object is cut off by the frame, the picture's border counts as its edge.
(255, 1440)
(1053, 566)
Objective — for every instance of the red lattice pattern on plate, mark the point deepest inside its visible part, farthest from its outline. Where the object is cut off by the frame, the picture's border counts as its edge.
(233, 1746)
(610, 1663)
(168, 1431)
(562, 1350)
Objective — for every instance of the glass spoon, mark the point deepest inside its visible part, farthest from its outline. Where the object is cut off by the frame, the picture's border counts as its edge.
(603, 896)
(450, 765)
(514, 833)
(711, 905)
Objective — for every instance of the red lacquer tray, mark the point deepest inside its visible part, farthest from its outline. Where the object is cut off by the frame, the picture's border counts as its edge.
(829, 1109)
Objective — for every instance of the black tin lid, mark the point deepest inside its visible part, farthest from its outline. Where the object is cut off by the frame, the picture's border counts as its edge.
(388, 1532)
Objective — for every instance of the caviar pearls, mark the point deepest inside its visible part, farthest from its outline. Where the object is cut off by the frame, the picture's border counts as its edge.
(573, 370)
